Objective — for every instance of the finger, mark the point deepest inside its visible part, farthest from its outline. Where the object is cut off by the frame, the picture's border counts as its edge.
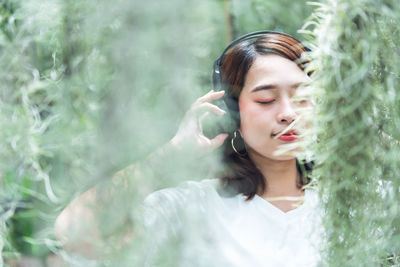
(210, 96)
(218, 140)
(202, 117)
(206, 95)
(205, 115)
(210, 107)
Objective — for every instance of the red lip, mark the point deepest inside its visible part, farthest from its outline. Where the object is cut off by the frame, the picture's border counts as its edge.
(291, 132)
(287, 137)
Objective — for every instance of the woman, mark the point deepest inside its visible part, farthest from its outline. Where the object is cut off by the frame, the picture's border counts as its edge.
(259, 213)
(252, 216)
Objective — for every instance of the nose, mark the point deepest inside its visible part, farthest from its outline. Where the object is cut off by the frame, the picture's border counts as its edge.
(286, 113)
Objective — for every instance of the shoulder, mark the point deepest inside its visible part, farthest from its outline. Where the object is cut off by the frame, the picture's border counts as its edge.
(314, 210)
(173, 204)
(187, 193)
(312, 194)
(184, 190)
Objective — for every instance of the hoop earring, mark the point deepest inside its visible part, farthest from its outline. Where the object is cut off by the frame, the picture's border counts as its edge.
(233, 143)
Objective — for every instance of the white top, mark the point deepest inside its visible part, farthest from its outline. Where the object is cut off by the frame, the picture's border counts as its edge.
(218, 231)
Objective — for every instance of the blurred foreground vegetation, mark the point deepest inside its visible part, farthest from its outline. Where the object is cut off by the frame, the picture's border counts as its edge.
(89, 87)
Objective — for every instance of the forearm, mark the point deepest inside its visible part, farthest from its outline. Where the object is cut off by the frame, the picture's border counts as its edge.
(85, 225)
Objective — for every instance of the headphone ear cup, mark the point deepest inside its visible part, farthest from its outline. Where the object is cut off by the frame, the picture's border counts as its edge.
(215, 125)
(217, 80)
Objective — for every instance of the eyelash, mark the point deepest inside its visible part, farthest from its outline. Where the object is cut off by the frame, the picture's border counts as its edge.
(266, 102)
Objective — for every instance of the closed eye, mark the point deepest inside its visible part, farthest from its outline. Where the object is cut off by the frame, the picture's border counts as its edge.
(266, 102)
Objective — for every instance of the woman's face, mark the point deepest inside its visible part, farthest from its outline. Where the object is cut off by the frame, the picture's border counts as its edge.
(266, 106)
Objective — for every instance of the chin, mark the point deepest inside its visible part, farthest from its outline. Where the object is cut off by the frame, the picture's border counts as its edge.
(292, 154)
(272, 155)
(285, 157)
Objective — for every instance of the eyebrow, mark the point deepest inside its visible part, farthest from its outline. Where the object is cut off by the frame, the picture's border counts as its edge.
(273, 86)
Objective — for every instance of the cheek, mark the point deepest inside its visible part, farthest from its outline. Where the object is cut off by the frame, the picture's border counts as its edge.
(247, 109)
(251, 111)
(251, 116)
(245, 114)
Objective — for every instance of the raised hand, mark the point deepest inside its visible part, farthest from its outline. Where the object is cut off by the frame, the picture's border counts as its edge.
(190, 132)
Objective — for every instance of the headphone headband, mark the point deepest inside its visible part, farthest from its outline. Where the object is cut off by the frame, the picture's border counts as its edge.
(247, 37)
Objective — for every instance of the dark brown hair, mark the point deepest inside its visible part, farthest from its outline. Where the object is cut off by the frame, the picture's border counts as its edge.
(241, 174)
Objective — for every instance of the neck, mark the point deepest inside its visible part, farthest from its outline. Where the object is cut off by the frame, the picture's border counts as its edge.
(280, 176)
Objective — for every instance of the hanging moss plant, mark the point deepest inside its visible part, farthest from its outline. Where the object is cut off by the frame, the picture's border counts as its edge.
(356, 65)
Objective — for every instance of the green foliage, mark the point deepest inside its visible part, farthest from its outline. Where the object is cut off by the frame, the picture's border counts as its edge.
(88, 87)
(79, 98)
(7, 20)
(45, 102)
(284, 15)
(357, 67)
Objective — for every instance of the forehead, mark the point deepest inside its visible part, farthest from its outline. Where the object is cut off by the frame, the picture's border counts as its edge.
(273, 69)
